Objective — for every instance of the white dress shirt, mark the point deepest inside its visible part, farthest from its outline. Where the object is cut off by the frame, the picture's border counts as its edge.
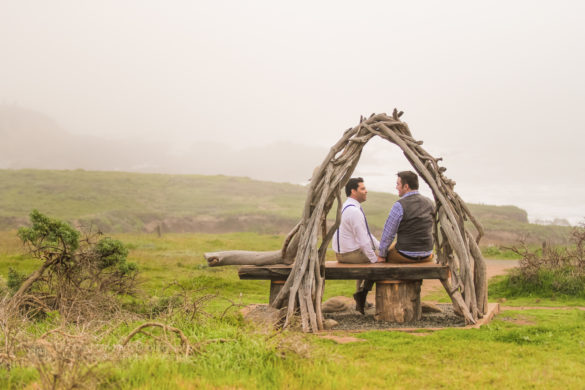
(354, 232)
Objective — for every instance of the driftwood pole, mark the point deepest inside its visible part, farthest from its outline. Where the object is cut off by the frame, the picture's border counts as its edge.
(455, 245)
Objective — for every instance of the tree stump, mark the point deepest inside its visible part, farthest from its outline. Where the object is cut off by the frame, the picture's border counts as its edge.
(275, 287)
(398, 301)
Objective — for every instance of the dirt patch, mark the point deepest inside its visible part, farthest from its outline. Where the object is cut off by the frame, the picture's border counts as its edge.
(520, 320)
(342, 339)
(421, 334)
(352, 320)
(494, 268)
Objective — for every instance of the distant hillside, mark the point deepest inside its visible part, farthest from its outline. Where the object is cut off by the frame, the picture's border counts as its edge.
(120, 201)
(32, 140)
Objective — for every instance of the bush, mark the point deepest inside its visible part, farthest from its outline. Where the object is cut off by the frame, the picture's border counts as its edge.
(15, 279)
(549, 272)
(79, 272)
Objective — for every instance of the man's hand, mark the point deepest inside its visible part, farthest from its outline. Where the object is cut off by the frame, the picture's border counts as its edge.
(381, 260)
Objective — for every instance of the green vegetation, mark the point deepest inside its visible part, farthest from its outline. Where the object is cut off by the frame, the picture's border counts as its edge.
(498, 252)
(176, 288)
(556, 273)
(117, 202)
(559, 283)
(519, 349)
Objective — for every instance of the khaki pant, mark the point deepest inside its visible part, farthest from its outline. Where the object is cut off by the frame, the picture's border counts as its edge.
(353, 257)
(356, 257)
(397, 258)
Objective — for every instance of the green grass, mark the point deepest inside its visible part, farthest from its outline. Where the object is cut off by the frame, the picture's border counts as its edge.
(554, 288)
(118, 201)
(133, 202)
(499, 355)
(497, 252)
(519, 349)
(544, 350)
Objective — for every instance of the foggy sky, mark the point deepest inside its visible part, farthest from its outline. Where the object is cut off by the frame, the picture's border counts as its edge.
(497, 89)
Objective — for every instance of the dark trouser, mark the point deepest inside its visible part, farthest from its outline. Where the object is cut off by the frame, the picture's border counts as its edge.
(356, 257)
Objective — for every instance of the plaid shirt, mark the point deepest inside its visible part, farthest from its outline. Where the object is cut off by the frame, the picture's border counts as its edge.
(391, 227)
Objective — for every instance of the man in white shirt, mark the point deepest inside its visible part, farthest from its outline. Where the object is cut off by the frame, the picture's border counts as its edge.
(353, 243)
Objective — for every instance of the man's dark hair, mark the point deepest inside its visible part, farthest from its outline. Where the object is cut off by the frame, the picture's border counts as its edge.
(353, 184)
(410, 178)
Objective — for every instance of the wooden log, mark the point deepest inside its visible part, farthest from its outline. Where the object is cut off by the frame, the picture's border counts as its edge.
(305, 260)
(215, 259)
(480, 276)
(275, 287)
(398, 301)
(458, 302)
(341, 271)
(290, 245)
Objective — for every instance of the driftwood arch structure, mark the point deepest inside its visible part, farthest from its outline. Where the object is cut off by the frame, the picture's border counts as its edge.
(455, 244)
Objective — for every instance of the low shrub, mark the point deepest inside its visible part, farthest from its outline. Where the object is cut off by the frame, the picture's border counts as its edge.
(549, 273)
(80, 273)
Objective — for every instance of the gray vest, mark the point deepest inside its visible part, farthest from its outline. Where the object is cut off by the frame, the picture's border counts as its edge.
(415, 232)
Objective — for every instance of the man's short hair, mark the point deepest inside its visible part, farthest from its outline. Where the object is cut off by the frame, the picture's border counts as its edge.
(353, 184)
(410, 178)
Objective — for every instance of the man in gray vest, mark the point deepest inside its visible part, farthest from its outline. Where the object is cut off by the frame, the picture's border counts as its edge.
(353, 243)
(412, 219)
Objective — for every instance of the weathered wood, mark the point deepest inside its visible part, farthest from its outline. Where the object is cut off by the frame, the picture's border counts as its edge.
(275, 287)
(480, 275)
(398, 301)
(341, 271)
(303, 288)
(458, 302)
(215, 259)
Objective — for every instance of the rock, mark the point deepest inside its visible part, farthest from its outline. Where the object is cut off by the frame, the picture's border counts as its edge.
(263, 315)
(337, 304)
(428, 307)
(330, 323)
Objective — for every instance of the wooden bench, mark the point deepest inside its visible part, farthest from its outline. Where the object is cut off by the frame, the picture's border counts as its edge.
(397, 285)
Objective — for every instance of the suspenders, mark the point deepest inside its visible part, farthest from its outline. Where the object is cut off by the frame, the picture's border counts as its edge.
(367, 228)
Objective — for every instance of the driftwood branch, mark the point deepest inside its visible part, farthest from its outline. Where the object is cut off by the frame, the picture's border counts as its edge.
(166, 328)
(215, 259)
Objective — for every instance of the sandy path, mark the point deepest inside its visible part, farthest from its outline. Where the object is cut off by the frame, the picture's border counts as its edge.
(494, 268)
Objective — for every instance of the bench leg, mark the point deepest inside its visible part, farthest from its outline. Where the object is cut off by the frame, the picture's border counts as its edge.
(275, 287)
(398, 301)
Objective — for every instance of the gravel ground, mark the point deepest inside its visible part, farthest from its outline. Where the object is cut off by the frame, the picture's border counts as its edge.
(353, 320)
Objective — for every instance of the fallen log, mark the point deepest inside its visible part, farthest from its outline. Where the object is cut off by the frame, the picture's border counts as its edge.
(285, 255)
(215, 259)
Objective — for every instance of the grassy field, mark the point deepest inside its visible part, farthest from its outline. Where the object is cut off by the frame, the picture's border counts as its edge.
(519, 349)
(131, 202)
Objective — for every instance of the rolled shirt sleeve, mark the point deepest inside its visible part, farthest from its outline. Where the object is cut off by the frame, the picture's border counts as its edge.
(390, 228)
